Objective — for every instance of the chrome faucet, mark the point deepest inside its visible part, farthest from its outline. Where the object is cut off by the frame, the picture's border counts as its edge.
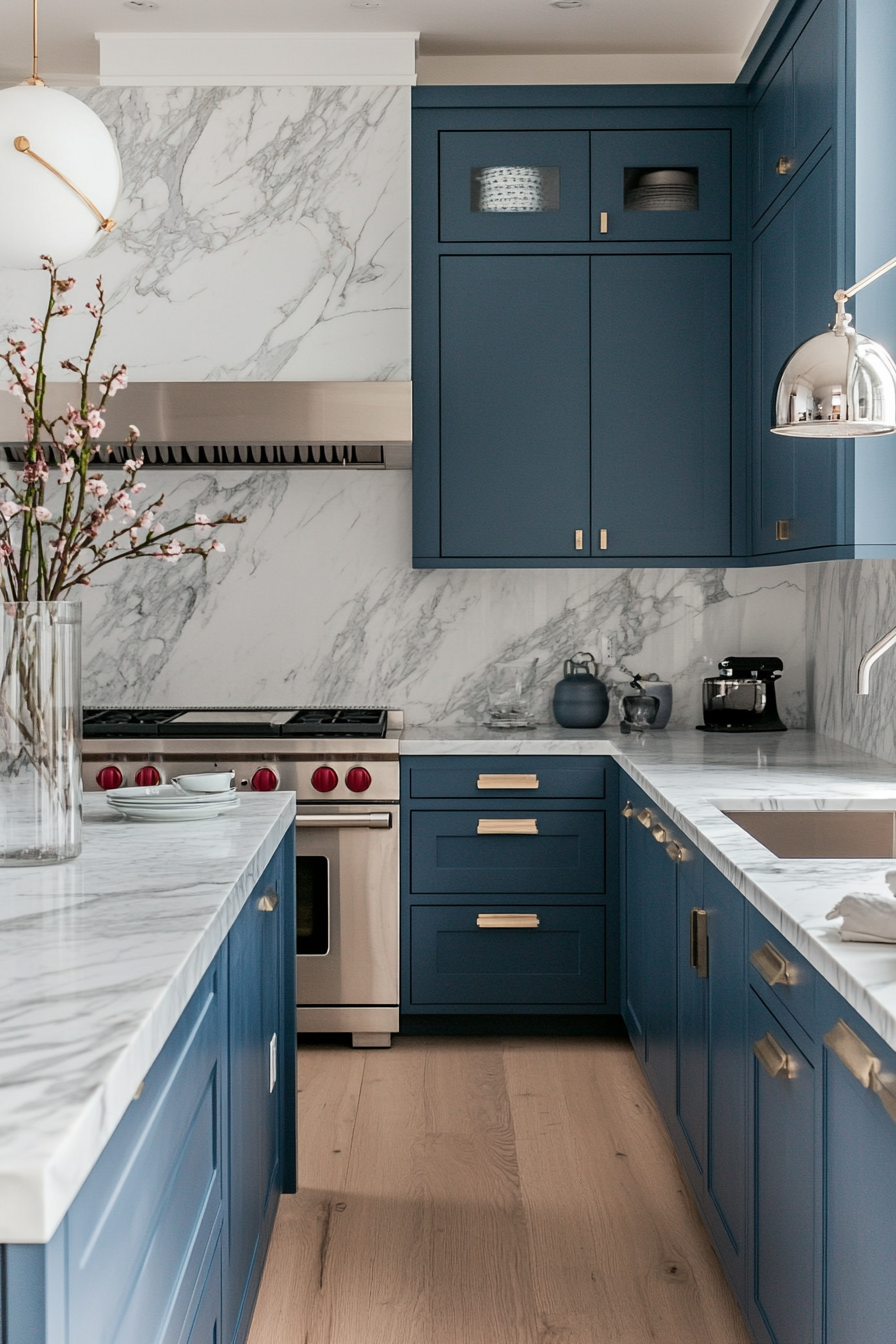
(870, 658)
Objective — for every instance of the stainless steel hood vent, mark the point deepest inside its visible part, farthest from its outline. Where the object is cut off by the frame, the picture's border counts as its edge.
(311, 426)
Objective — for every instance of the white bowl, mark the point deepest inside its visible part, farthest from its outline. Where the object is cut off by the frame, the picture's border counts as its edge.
(219, 782)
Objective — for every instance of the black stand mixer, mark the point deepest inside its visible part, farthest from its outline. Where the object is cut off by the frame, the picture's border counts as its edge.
(741, 699)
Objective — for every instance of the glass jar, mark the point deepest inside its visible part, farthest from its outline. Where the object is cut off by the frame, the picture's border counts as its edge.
(40, 732)
(511, 694)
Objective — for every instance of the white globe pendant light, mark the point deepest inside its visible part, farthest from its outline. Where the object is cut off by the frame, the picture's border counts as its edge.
(60, 174)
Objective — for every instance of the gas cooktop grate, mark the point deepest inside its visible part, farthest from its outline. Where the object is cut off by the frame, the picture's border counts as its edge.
(260, 721)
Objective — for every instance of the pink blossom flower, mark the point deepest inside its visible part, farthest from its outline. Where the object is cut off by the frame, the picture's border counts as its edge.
(36, 326)
(16, 390)
(122, 499)
(94, 310)
(63, 310)
(146, 519)
(170, 550)
(72, 437)
(218, 545)
(112, 383)
(134, 433)
(202, 524)
(66, 471)
(10, 510)
(133, 464)
(97, 486)
(134, 536)
(95, 423)
(135, 489)
(35, 472)
(41, 514)
(6, 551)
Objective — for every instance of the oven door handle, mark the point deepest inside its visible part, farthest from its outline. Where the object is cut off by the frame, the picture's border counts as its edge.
(372, 821)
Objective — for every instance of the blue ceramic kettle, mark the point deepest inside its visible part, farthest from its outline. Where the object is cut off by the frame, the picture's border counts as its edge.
(580, 699)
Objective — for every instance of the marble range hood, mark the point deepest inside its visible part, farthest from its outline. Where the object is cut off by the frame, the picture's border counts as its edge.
(307, 425)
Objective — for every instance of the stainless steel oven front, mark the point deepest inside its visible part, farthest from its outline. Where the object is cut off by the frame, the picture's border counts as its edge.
(347, 920)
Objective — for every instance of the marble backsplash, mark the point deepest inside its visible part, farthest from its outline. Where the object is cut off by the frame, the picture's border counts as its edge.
(850, 604)
(263, 233)
(315, 601)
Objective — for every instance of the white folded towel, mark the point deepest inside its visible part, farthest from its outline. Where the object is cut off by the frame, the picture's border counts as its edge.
(867, 916)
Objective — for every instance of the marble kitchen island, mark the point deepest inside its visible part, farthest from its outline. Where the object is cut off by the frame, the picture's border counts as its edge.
(115, 970)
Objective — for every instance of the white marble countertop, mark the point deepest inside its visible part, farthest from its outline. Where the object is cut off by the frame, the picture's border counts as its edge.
(685, 772)
(98, 959)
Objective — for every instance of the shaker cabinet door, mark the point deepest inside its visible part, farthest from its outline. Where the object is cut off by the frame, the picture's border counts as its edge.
(514, 397)
(660, 186)
(661, 406)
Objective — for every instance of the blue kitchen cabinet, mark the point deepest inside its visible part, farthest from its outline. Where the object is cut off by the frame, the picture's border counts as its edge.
(661, 405)
(797, 106)
(783, 1296)
(650, 946)
(555, 346)
(859, 1100)
(619, 159)
(559, 208)
(165, 1241)
(509, 891)
(515, 436)
(692, 1063)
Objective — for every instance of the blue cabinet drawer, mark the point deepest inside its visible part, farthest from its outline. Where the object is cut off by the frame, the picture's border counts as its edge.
(516, 777)
(454, 852)
(780, 970)
(484, 175)
(140, 1228)
(455, 961)
(624, 210)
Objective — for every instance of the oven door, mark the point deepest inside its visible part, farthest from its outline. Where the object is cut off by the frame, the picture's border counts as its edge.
(347, 905)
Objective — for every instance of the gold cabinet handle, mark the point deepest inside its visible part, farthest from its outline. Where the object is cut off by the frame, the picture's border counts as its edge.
(675, 851)
(628, 810)
(645, 816)
(603, 538)
(783, 166)
(852, 1051)
(782, 529)
(507, 782)
(700, 943)
(603, 221)
(506, 921)
(507, 826)
(580, 539)
(772, 1058)
(659, 834)
(772, 966)
(269, 902)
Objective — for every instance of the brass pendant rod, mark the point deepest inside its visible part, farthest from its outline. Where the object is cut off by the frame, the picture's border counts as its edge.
(23, 146)
(35, 77)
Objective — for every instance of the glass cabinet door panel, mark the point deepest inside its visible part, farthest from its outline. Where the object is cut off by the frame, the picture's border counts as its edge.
(660, 186)
(513, 186)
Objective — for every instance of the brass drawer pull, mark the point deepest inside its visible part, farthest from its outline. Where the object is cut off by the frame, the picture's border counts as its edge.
(268, 902)
(628, 810)
(852, 1051)
(774, 969)
(603, 221)
(502, 921)
(700, 943)
(659, 834)
(507, 782)
(772, 1058)
(645, 816)
(675, 851)
(783, 166)
(507, 826)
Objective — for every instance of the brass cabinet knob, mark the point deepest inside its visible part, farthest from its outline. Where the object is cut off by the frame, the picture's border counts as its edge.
(675, 851)
(783, 166)
(659, 834)
(628, 810)
(645, 816)
(268, 902)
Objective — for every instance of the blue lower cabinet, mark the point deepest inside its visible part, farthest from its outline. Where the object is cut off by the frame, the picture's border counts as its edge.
(783, 1301)
(860, 1178)
(471, 957)
(165, 1241)
(512, 849)
(693, 1013)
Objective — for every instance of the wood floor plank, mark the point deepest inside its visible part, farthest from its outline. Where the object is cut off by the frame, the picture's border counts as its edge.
(479, 1191)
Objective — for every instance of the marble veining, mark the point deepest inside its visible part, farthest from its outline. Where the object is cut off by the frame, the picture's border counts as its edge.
(98, 959)
(315, 602)
(687, 774)
(263, 233)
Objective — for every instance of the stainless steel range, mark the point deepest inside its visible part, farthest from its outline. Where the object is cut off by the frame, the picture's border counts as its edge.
(342, 764)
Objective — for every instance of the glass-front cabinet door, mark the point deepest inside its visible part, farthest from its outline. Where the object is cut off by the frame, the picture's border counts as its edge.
(513, 186)
(660, 186)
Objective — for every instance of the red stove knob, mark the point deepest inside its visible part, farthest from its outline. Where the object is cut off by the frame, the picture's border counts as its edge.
(324, 779)
(265, 780)
(358, 779)
(147, 776)
(110, 777)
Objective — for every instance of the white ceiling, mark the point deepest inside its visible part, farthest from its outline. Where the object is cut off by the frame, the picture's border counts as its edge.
(446, 27)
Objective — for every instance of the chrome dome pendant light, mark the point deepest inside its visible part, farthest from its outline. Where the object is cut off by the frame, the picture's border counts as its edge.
(60, 174)
(838, 385)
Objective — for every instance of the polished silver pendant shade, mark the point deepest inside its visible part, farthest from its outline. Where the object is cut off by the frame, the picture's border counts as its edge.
(839, 385)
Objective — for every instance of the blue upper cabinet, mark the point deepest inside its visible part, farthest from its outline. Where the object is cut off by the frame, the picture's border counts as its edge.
(513, 186)
(580, 317)
(660, 186)
(515, 435)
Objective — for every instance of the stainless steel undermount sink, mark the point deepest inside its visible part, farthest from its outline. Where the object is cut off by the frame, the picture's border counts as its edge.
(818, 828)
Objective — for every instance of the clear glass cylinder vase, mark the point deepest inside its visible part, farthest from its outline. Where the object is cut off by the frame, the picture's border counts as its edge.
(40, 732)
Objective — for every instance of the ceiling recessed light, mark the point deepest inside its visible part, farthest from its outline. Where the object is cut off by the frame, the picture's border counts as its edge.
(365, 4)
(567, 4)
(140, 4)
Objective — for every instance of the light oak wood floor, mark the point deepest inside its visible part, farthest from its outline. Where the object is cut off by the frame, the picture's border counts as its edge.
(487, 1191)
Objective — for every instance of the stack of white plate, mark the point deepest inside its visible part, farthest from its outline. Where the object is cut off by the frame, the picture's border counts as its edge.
(663, 189)
(516, 190)
(167, 802)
